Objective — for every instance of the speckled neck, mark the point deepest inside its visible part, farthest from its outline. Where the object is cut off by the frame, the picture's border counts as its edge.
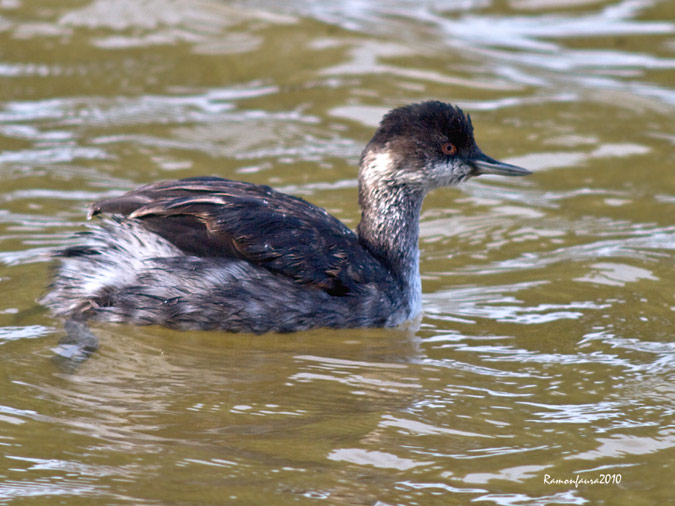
(389, 226)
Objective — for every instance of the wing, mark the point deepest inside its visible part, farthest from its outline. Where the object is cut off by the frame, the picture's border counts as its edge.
(214, 217)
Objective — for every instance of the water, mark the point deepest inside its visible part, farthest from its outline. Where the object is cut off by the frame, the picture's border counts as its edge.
(544, 363)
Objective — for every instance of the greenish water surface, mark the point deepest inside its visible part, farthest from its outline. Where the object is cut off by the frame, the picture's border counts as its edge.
(544, 363)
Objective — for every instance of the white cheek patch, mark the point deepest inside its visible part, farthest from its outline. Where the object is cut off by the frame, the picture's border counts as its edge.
(378, 167)
(446, 173)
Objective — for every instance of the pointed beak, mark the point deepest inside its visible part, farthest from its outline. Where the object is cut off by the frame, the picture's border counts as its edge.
(483, 164)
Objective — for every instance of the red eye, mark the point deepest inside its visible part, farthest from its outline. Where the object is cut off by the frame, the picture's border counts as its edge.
(449, 149)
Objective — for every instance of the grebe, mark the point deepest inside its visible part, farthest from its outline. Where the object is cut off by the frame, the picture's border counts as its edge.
(211, 253)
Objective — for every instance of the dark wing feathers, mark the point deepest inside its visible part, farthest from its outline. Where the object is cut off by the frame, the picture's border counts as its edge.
(214, 217)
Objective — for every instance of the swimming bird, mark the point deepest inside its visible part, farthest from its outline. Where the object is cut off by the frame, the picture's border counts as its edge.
(212, 253)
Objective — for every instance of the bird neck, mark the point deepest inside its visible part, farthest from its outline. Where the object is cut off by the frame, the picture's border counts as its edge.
(389, 227)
